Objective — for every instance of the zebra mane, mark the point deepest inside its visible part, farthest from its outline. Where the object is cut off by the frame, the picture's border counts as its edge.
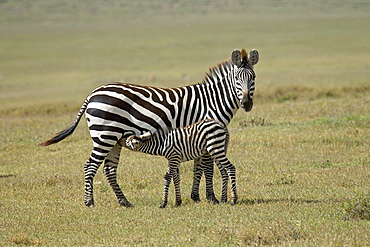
(216, 71)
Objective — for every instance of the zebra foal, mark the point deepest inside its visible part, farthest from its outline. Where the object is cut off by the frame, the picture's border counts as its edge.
(207, 137)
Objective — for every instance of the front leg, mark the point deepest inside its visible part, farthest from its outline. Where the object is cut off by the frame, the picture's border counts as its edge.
(207, 166)
(167, 181)
(197, 176)
(176, 181)
(171, 171)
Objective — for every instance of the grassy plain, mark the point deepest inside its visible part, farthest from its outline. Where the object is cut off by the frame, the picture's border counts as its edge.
(302, 154)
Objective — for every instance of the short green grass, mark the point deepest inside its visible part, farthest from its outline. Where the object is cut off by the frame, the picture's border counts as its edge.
(302, 154)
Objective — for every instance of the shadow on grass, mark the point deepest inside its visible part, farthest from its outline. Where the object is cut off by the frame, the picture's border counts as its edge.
(267, 201)
(6, 175)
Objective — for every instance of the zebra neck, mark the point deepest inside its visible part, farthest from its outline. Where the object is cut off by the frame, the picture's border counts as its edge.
(219, 94)
(155, 144)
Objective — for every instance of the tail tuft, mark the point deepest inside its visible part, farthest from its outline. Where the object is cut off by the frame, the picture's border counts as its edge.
(61, 135)
(67, 132)
(47, 143)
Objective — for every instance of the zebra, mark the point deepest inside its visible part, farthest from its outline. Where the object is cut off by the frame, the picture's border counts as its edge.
(206, 137)
(117, 110)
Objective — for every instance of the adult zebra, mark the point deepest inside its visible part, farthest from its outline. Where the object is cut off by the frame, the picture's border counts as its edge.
(206, 137)
(116, 111)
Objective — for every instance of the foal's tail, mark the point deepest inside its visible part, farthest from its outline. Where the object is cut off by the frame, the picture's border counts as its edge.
(67, 132)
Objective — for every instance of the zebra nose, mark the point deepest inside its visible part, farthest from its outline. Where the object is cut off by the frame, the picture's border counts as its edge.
(247, 102)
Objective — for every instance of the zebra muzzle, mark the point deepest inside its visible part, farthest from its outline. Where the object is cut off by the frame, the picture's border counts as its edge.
(247, 102)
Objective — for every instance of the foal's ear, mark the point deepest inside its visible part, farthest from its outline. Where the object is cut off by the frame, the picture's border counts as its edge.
(145, 136)
(253, 57)
(236, 58)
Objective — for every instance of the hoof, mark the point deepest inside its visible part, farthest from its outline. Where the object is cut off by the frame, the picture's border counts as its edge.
(233, 202)
(195, 197)
(126, 204)
(223, 199)
(178, 203)
(89, 203)
(213, 199)
(163, 205)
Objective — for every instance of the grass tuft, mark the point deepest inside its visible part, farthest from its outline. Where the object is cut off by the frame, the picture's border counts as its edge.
(21, 239)
(358, 209)
(260, 121)
(275, 234)
(323, 164)
(285, 180)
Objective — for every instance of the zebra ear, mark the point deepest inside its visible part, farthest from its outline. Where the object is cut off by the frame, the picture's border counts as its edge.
(236, 58)
(146, 135)
(253, 57)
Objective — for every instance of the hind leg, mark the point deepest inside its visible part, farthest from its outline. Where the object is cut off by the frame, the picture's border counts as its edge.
(90, 169)
(110, 171)
(225, 178)
(230, 169)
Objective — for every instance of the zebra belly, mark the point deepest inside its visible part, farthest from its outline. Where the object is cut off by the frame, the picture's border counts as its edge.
(192, 155)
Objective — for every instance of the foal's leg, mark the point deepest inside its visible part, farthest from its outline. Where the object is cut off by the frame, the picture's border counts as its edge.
(173, 164)
(230, 168)
(225, 178)
(176, 182)
(203, 164)
(167, 181)
(198, 172)
(207, 166)
(110, 171)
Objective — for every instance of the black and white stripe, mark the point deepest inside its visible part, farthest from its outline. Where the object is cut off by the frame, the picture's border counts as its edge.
(207, 137)
(116, 111)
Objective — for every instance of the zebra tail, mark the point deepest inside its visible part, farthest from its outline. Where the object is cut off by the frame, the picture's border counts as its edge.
(67, 132)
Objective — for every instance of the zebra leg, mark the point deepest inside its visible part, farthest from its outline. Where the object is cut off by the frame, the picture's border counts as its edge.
(225, 178)
(230, 168)
(207, 166)
(167, 181)
(110, 172)
(176, 182)
(171, 171)
(204, 163)
(198, 172)
(90, 169)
